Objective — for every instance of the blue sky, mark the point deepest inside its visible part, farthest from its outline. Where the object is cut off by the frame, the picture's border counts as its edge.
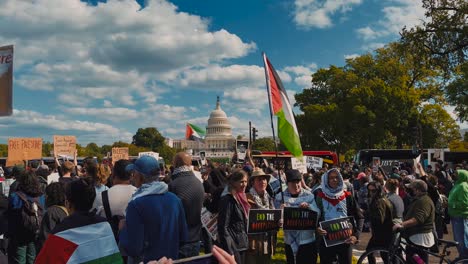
(100, 70)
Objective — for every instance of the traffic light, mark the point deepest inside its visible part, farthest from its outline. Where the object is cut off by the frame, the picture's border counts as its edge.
(254, 133)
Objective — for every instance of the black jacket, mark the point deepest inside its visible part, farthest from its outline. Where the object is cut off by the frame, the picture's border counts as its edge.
(232, 225)
(190, 191)
(78, 219)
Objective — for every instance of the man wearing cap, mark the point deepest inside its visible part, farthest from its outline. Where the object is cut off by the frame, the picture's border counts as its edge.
(190, 190)
(300, 245)
(418, 222)
(155, 223)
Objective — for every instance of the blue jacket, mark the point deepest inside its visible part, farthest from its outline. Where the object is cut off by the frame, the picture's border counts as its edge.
(155, 223)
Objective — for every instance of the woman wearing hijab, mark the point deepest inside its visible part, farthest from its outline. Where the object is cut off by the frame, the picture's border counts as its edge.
(334, 202)
(261, 246)
(300, 245)
(232, 218)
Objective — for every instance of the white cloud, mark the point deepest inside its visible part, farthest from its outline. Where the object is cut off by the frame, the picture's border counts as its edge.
(373, 46)
(107, 103)
(351, 56)
(318, 13)
(303, 74)
(396, 15)
(114, 114)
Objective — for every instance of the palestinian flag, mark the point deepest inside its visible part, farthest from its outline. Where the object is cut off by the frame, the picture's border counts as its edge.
(90, 244)
(280, 106)
(193, 132)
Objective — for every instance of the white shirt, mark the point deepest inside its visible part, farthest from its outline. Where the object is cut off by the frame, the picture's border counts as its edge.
(119, 196)
(53, 177)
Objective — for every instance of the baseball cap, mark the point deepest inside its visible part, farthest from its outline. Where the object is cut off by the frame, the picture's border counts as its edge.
(361, 175)
(293, 175)
(146, 165)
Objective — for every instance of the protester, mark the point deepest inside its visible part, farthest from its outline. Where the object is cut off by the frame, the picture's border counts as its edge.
(334, 202)
(71, 240)
(23, 230)
(458, 211)
(232, 218)
(67, 169)
(190, 191)
(381, 218)
(56, 211)
(100, 179)
(391, 186)
(261, 246)
(300, 246)
(42, 172)
(155, 224)
(418, 222)
(115, 200)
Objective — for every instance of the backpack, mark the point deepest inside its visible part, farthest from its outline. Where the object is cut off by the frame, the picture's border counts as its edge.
(441, 205)
(113, 220)
(31, 214)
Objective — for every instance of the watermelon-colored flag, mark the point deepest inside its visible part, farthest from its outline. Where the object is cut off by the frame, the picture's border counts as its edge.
(193, 132)
(90, 244)
(280, 106)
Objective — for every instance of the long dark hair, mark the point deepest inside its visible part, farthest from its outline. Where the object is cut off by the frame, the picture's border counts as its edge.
(55, 194)
(236, 176)
(379, 191)
(28, 183)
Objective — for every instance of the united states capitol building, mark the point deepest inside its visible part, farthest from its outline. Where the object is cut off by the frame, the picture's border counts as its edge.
(219, 142)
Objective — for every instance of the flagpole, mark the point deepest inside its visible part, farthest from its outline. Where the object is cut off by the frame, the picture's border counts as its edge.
(267, 79)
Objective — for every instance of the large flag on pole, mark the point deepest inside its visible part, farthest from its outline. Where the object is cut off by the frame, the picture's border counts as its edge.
(280, 106)
(195, 133)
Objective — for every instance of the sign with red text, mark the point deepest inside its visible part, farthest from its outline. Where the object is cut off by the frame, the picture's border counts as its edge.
(119, 154)
(210, 223)
(263, 220)
(295, 218)
(20, 149)
(64, 145)
(6, 80)
(338, 230)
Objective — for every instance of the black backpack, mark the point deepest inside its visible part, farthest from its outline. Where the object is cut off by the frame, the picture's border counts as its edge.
(31, 214)
(113, 220)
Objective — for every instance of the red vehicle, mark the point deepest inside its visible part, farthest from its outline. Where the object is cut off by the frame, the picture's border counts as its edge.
(329, 157)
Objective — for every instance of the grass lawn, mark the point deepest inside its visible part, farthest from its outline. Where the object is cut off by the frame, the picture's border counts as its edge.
(280, 256)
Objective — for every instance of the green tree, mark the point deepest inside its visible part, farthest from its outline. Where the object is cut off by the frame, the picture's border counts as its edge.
(167, 153)
(148, 137)
(264, 144)
(47, 148)
(465, 136)
(3, 150)
(443, 35)
(457, 92)
(443, 128)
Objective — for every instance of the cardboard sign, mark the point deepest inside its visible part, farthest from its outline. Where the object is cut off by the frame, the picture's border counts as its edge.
(119, 154)
(149, 153)
(20, 149)
(241, 147)
(338, 230)
(210, 223)
(315, 163)
(64, 145)
(263, 220)
(299, 164)
(299, 219)
(6, 80)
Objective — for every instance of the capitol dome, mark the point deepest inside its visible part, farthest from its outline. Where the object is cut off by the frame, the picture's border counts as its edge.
(218, 123)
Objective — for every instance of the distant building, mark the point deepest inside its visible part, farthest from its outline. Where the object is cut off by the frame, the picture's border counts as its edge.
(219, 141)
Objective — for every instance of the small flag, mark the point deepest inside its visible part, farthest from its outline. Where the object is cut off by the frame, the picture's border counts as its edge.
(280, 106)
(195, 133)
(93, 243)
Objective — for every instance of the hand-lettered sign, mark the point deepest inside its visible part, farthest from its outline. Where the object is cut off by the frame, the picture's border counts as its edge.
(20, 149)
(299, 218)
(263, 220)
(338, 230)
(64, 145)
(118, 154)
(6, 80)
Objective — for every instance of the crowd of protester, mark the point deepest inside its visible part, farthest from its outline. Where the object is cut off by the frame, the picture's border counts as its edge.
(142, 211)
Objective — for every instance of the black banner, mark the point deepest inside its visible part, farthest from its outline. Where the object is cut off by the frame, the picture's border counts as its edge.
(263, 220)
(299, 219)
(338, 230)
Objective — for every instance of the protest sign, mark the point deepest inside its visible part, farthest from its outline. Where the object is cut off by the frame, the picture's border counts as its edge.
(315, 163)
(263, 220)
(210, 223)
(299, 164)
(241, 147)
(299, 219)
(375, 164)
(6, 80)
(64, 145)
(338, 230)
(20, 149)
(149, 153)
(203, 157)
(118, 154)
